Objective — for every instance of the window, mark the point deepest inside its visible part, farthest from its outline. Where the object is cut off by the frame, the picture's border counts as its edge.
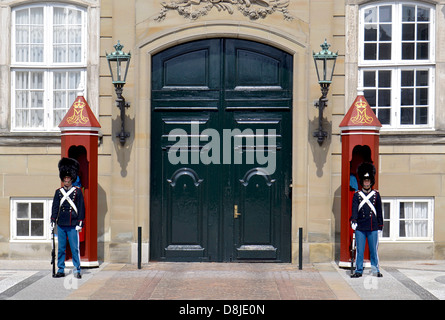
(397, 63)
(407, 219)
(30, 219)
(48, 64)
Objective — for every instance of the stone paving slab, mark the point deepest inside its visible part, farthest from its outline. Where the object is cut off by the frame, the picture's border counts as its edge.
(207, 281)
(160, 281)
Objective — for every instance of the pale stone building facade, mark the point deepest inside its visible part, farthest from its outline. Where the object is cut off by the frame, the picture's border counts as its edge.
(411, 157)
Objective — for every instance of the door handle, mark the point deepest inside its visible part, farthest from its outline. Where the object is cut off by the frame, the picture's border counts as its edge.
(236, 214)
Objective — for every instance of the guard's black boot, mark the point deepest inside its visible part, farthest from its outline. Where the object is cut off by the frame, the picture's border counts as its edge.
(356, 275)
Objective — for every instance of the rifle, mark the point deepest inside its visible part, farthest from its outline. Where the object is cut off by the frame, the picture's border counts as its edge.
(53, 251)
(53, 255)
(353, 249)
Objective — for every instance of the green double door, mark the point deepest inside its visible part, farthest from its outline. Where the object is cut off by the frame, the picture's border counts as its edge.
(221, 152)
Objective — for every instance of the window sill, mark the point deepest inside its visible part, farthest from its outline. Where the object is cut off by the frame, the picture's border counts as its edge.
(23, 139)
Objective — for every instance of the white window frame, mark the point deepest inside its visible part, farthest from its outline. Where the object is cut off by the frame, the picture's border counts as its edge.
(48, 67)
(394, 219)
(396, 107)
(396, 64)
(47, 206)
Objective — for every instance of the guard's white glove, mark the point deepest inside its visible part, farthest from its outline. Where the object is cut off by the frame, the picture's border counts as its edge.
(380, 233)
(51, 226)
(78, 228)
(353, 225)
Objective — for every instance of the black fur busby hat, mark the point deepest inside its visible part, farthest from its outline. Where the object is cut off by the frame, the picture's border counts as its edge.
(366, 171)
(68, 167)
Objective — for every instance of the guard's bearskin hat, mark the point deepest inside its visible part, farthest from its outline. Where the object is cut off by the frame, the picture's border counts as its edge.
(68, 167)
(366, 171)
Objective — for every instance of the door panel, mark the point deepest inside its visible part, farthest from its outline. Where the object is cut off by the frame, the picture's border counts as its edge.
(258, 102)
(230, 98)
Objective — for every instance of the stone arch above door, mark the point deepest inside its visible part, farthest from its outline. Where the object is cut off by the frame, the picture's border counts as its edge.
(295, 44)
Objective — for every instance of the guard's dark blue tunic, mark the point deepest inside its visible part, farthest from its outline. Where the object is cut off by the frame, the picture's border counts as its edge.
(364, 215)
(68, 215)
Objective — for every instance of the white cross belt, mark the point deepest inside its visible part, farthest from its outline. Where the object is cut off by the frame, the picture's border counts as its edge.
(66, 196)
(366, 200)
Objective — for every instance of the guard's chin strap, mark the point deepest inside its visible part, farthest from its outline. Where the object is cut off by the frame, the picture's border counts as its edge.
(366, 200)
(66, 196)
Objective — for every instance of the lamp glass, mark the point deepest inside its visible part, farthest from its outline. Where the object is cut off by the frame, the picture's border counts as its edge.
(118, 62)
(325, 63)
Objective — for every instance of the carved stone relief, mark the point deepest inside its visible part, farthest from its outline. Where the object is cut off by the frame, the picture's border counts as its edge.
(253, 9)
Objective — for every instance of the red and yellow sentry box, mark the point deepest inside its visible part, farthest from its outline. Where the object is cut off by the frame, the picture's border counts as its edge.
(79, 138)
(360, 130)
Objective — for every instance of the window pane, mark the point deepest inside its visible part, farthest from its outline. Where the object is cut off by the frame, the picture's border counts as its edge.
(423, 14)
(421, 115)
(23, 228)
(385, 51)
(407, 97)
(371, 15)
(422, 78)
(36, 15)
(37, 228)
(370, 96)
(384, 98)
(22, 36)
(421, 211)
(406, 210)
(423, 31)
(385, 14)
(421, 96)
(408, 31)
(371, 32)
(370, 51)
(386, 219)
(385, 79)
(66, 84)
(37, 119)
(22, 210)
(422, 51)
(408, 13)
(369, 78)
(407, 116)
(408, 51)
(406, 228)
(37, 210)
(22, 16)
(385, 32)
(384, 116)
(29, 33)
(67, 32)
(407, 78)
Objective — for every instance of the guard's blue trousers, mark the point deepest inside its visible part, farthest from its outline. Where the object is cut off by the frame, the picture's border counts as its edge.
(373, 243)
(73, 238)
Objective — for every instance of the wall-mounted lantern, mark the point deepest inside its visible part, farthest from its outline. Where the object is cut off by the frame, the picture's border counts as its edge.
(324, 65)
(118, 62)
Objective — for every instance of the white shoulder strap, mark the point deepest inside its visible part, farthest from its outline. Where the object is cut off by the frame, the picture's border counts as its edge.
(66, 196)
(366, 200)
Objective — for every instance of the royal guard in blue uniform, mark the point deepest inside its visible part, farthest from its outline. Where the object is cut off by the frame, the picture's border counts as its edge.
(367, 219)
(68, 213)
